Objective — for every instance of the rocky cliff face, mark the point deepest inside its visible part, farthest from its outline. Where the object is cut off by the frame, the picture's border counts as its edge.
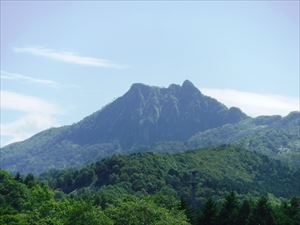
(148, 114)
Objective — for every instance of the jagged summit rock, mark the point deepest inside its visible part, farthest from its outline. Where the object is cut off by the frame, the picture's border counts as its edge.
(188, 85)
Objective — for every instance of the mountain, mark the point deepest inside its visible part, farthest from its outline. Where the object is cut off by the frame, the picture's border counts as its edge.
(145, 115)
(142, 116)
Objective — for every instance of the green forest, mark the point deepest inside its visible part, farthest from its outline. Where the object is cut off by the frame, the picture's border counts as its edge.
(211, 186)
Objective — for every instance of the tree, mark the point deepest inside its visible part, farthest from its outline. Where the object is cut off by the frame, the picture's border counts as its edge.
(133, 211)
(293, 210)
(18, 177)
(228, 212)
(208, 215)
(29, 180)
(244, 213)
(262, 213)
(83, 213)
(84, 178)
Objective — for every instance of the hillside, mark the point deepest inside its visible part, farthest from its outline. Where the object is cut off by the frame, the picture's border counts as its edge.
(205, 172)
(274, 136)
(142, 116)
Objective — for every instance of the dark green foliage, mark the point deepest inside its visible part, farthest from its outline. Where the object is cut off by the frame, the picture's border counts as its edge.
(193, 175)
(229, 212)
(244, 212)
(35, 204)
(262, 213)
(247, 212)
(29, 180)
(293, 210)
(158, 189)
(208, 214)
(84, 178)
(18, 177)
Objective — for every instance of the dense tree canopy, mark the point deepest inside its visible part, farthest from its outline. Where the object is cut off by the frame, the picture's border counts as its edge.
(210, 171)
(216, 186)
(34, 203)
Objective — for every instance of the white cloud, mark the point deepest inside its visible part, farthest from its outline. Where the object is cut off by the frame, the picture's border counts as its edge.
(25, 103)
(255, 104)
(38, 115)
(20, 77)
(26, 126)
(70, 57)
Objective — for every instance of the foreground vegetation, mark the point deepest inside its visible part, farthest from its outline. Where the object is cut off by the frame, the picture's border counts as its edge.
(225, 185)
(25, 201)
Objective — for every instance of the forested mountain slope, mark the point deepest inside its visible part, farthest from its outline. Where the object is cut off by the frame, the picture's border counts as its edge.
(210, 171)
(275, 136)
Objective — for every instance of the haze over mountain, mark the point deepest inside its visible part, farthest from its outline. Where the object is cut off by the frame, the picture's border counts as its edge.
(142, 116)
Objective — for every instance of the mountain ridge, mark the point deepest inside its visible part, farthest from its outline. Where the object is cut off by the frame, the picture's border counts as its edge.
(142, 116)
(150, 118)
(175, 113)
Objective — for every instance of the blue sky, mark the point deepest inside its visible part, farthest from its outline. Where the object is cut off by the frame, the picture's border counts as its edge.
(61, 61)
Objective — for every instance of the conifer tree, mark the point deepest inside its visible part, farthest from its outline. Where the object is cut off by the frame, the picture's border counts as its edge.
(209, 213)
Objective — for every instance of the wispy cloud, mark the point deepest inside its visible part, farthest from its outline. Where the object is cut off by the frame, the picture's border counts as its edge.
(38, 114)
(25, 127)
(20, 77)
(25, 103)
(255, 104)
(70, 57)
